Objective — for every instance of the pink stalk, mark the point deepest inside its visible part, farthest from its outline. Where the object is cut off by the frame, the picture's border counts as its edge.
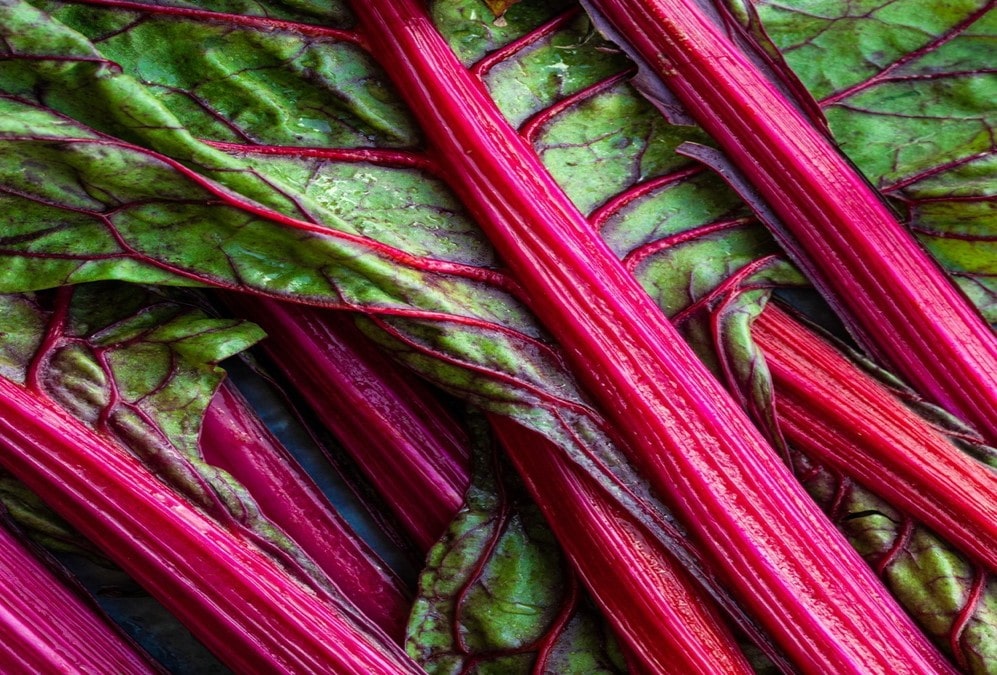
(891, 294)
(424, 475)
(237, 601)
(46, 628)
(778, 553)
(839, 415)
(234, 439)
(655, 608)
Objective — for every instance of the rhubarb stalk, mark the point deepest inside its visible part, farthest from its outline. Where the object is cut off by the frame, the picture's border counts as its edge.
(892, 296)
(425, 475)
(838, 415)
(235, 439)
(783, 557)
(235, 599)
(655, 607)
(45, 627)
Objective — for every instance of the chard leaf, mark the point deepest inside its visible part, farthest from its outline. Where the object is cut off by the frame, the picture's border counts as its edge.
(140, 367)
(472, 32)
(154, 356)
(444, 314)
(951, 599)
(41, 524)
(710, 268)
(908, 92)
(496, 595)
(127, 158)
(263, 222)
(245, 84)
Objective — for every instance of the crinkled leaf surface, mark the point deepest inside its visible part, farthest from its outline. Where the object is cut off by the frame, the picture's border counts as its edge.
(908, 90)
(496, 595)
(264, 217)
(42, 525)
(277, 160)
(103, 348)
(117, 357)
(710, 268)
(139, 367)
(939, 587)
(278, 220)
(106, 349)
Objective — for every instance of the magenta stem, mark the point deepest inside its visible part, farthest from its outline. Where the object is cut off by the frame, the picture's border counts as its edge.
(401, 438)
(840, 416)
(892, 295)
(46, 628)
(655, 607)
(235, 439)
(243, 607)
(785, 560)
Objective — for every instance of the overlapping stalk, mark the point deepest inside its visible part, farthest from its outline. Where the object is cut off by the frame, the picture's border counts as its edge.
(46, 628)
(658, 611)
(247, 610)
(337, 372)
(787, 563)
(667, 621)
(235, 439)
(839, 415)
(444, 149)
(893, 297)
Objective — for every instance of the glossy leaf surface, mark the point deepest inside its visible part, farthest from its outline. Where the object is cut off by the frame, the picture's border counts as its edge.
(461, 324)
(496, 596)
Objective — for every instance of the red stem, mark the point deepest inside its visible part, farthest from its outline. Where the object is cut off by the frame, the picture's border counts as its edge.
(655, 608)
(781, 555)
(531, 128)
(379, 156)
(489, 61)
(617, 558)
(839, 415)
(964, 617)
(621, 200)
(46, 628)
(233, 598)
(263, 23)
(234, 439)
(424, 476)
(892, 295)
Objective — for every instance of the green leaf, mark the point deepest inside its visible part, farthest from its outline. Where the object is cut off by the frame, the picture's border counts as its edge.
(157, 356)
(111, 168)
(22, 331)
(935, 583)
(41, 524)
(551, 69)
(272, 87)
(473, 32)
(140, 367)
(687, 242)
(496, 595)
(456, 322)
(908, 91)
